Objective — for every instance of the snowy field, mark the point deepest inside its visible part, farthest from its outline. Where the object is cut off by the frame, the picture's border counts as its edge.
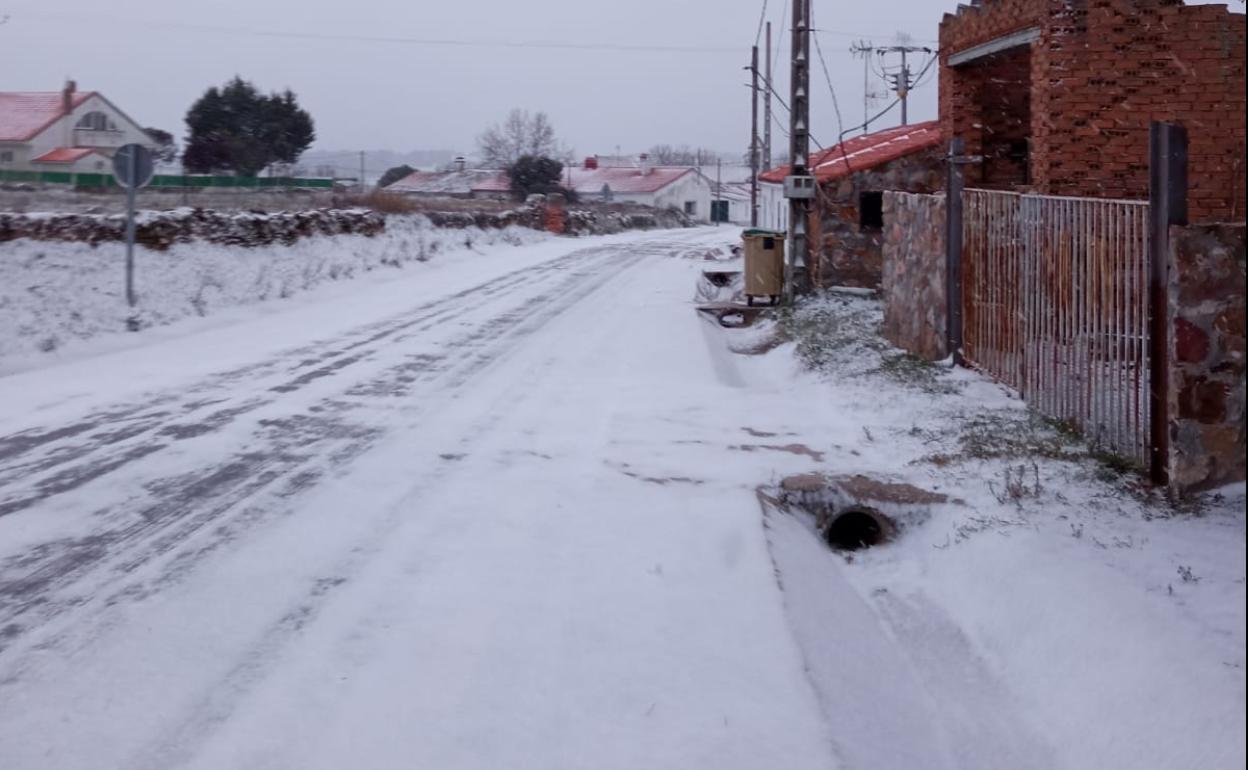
(55, 294)
(502, 510)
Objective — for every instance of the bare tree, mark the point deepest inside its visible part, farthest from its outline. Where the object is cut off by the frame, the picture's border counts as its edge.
(521, 134)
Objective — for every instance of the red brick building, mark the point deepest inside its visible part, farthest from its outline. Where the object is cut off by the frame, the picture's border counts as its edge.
(1057, 95)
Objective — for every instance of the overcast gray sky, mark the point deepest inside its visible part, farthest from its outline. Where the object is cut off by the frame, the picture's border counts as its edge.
(154, 57)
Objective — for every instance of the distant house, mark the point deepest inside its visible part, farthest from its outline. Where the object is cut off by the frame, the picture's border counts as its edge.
(847, 229)
(683, 188)
(458, 183)
(70, 130)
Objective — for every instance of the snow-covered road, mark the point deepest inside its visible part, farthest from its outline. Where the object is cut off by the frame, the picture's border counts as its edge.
(499, 510)
(469, 524)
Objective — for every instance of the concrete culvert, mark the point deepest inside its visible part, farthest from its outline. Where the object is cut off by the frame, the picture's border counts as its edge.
(856, 528)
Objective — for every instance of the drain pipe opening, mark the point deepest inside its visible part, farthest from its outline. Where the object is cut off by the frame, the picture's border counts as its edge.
(856, 528)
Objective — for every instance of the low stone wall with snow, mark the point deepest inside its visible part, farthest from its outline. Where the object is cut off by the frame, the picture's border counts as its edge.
(161, 229)
(53, 292)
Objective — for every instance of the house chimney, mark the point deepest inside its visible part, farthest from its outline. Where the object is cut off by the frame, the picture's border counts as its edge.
(645, 164)
(461, 163)
(67, 96)
(591, 163)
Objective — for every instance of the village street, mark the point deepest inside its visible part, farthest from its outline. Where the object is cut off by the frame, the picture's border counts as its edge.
(449, 537)
(504, 515)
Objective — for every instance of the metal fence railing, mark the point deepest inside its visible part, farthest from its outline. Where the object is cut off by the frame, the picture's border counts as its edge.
(1055, 304)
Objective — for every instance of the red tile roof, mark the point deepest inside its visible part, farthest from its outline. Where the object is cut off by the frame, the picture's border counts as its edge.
(25, 114)
(866, 152)
(65, 155)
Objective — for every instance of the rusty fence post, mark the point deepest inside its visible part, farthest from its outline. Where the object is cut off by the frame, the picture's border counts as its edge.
(1167, 178)
(953, 252)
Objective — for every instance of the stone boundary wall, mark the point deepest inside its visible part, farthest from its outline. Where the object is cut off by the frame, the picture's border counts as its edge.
(161, 229)
(1207, 367)
(158, 230)
(914, 273)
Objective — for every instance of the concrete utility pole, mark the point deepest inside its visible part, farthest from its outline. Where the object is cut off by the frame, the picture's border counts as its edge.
(361, 171)
(799, 187)
(754, 141)
(767, 107)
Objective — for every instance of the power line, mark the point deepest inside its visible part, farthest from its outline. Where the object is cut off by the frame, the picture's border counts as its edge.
(390, 39)
(836, 105)
(762, 18)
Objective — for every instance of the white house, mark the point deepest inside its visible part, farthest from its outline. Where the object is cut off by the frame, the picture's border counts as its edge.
(684, 188)
(70, 130)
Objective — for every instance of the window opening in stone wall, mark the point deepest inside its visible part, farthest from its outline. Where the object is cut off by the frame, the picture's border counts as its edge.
(871, 211)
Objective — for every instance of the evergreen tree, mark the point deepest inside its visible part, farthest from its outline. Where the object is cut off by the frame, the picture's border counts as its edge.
(533, 174)
(236, 128)
(395, 174)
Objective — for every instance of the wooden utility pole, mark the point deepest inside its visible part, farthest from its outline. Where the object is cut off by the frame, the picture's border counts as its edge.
(799, 187)
(767, 106)
(754, 140)
(1168, 151)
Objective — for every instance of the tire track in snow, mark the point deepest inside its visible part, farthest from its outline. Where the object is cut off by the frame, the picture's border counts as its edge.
(194, 728)
(307, 364)
(37, 588)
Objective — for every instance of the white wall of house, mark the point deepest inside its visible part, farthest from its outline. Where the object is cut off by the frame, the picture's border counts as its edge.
(773, 207)
(690, 188)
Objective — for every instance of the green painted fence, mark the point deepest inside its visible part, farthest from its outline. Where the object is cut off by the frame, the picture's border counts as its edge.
(165, 181)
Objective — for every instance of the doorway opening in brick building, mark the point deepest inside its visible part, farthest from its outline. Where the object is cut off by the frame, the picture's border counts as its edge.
(1004, 103)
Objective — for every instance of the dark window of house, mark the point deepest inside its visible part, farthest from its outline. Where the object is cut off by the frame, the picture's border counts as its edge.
(871, 211)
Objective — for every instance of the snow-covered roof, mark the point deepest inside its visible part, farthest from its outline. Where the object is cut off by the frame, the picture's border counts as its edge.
(25, 114)
(866, 152)
(452, 182)
(65, 155)
(624, 181)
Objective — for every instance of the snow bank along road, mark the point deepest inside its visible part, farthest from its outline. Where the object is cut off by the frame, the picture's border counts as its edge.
(488, 521)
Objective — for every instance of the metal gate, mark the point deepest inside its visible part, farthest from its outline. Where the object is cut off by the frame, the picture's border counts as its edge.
(1055, 305)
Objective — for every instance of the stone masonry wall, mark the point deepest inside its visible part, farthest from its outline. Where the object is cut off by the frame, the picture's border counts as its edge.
(914, 273)
(1101, 71)
(1207, 356)
(850, 255)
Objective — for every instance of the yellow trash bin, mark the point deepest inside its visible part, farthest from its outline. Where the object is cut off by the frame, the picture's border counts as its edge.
(764, 265)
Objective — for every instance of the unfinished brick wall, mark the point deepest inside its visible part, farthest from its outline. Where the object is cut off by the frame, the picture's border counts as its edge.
(913, 288)
(1207, 367)
(849, 254)
(1100, 72)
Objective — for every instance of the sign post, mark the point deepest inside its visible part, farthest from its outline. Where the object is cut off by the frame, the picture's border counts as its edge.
(132, 166)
